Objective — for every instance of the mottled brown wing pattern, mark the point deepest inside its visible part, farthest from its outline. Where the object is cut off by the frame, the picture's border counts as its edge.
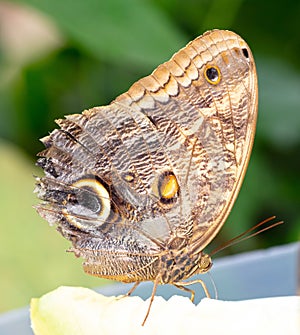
(145, 183)
(221, 117)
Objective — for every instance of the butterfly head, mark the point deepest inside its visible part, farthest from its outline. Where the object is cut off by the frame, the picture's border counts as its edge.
(204, 264)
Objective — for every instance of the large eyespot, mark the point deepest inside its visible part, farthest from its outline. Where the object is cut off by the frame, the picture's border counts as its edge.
(168, 187)
(212, 74)
(88, 205)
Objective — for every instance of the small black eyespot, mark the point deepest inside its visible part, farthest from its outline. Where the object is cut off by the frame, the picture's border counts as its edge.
(212, 74)
(245, 52)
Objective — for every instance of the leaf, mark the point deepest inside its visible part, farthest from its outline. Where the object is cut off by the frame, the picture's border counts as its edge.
(279, 108)
(32, 256)
(120, 31)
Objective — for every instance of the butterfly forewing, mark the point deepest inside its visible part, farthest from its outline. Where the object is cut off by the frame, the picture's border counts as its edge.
(216, 122)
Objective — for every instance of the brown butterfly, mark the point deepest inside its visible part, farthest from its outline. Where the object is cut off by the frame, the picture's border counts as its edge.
(141, 186)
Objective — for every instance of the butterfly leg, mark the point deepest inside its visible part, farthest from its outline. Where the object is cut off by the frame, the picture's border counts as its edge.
(157, 280)
(130, 291)
(181, 285)
(183, 288)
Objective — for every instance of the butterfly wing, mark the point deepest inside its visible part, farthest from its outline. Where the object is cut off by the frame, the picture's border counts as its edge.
(219, 118)
(164, 160)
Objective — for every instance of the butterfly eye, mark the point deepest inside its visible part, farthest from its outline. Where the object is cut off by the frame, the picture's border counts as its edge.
(88, 205)
(168, 187)
(205, 263)
(212, 74)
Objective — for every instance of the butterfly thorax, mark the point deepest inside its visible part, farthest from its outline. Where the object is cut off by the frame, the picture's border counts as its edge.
(178, 265)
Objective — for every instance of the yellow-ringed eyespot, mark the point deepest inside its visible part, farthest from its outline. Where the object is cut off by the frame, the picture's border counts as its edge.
(168, 187)
(212, 74)
(90, 204)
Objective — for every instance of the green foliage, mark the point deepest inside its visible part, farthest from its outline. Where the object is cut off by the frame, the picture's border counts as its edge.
(32, 254)
(106, 46)
(122, 31)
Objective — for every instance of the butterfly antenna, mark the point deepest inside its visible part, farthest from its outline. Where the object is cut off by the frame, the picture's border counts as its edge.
(213, 284)
(244, 236)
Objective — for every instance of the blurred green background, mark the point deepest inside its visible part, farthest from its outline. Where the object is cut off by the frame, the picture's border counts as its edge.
(60, 57)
